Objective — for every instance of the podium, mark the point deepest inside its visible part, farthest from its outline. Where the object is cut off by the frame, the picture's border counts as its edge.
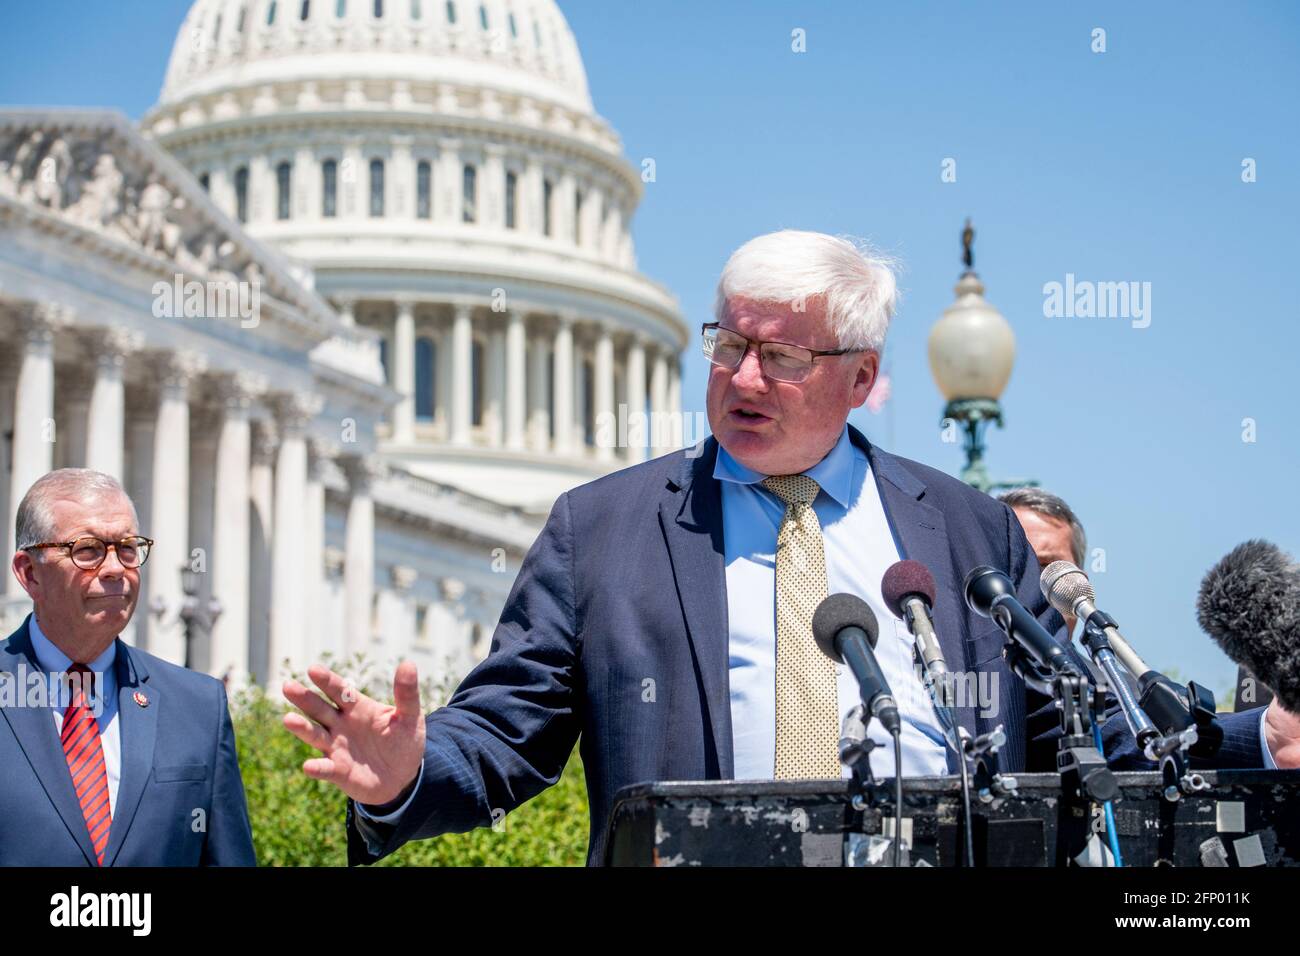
(1246, 818)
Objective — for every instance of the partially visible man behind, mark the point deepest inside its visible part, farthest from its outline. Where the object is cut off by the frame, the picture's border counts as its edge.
(110, 756)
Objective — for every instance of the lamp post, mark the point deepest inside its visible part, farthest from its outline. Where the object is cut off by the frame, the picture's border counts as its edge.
(972, 349)
(193, 613)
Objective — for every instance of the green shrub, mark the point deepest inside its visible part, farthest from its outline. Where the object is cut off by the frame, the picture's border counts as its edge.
(298, 821)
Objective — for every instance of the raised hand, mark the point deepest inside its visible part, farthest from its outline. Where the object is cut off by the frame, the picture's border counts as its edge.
(371, 751)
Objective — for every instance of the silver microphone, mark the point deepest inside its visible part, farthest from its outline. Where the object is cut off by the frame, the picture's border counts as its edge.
(1068, 590)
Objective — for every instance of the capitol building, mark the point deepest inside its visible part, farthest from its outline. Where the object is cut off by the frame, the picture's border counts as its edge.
(349, 308)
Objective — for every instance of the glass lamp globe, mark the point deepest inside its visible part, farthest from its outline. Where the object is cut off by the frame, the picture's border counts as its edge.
(972, 347)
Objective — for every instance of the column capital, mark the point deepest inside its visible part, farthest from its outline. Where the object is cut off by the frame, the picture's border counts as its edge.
(403, 577)
(38, 321)
(293, 410)
(462, 309)
(235, 391)
(334, 560)
(405, 305)
(451, 589)
(176, 370)
(362, 471)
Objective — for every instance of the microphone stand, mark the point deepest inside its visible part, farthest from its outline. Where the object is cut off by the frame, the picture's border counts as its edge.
(1161, 699)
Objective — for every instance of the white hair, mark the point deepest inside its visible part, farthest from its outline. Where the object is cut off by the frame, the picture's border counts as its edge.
(791, 267)
(35, 518)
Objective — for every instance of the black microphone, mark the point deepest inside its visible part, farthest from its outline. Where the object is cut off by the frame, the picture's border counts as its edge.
(846, 630)
(990, 593)
(1250, 604)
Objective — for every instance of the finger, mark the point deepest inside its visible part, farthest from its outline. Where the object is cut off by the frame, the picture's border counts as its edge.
(310, 703)
(406, 691)
(342, 693)
(309, 732)
(322, 768)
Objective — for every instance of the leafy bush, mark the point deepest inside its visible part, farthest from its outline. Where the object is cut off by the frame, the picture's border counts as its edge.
(298, 821)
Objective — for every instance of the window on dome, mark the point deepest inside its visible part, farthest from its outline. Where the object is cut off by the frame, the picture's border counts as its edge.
(476, 383)
(216, 31)
(547, 197)
(241, 194)
(282, 191)
(379, 9)
(482, 16)
(512, 187)
(424, 190)
(469, 197)
(329, 188)
(340, 8)
(577, 217)
(451, 12)
(383, 357)
(426, 362)
(415, 9)
(205, 182)
(537, 34)
(270, 13)
(376, 187)
(514, 29)
(304, 11)
(239, 24)
(588, 403)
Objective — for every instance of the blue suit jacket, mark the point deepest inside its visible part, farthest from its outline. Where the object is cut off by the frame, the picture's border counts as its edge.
(616, 632)
(178, 756)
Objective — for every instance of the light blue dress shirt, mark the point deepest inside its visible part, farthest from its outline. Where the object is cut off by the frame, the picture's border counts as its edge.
(859, 547)
(54, 661)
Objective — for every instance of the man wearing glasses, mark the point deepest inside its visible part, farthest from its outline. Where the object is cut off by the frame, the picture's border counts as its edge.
(110, 756)
(664, 614)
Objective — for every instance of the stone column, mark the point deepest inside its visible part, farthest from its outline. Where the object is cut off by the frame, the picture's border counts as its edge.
(320, 456)
(230, 527)
(359, 563)
(73, 410)
(494, 386)
(106, 422)
(10, 361)
(661, 430)
(293, 412)
(539, 419)
(169, 513)
(491, 188)
(636, 418)
(675, 404)
(261, 539)
(604, 419)
(403, 372)
(462, 357)
(516, 407)
(34, 433)
(562, 402)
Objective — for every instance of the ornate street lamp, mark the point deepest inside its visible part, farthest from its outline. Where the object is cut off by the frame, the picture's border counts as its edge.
(192, 613)
(972, 349)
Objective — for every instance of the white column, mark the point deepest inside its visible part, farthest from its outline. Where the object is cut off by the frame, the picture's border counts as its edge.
(319, 456)
(515, 382)
(494, 386)
(106, 423)
(306, 185)
(74, 406)
(359, 562)
(288, 572)
(562, 402)
(347, 310)
(675, 403)
(636, 419)
(34, 434)
(661, 429)
(604, 417)
(229, 558)
(446, 630)
(399, 176)
(539, 419)
(531, 199)
(10, 361)
(261, 539)
(169, 513)
(492, 188)
(403, 368)
(448, 182)
(462, 357)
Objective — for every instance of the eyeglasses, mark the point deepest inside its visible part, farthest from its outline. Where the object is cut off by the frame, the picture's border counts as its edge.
(780, 361)
(88, 553)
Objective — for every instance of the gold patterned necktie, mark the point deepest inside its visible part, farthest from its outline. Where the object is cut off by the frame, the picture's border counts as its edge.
(807, 699)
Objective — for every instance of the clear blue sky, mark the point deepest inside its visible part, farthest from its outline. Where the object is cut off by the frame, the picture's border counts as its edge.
(1120, 166)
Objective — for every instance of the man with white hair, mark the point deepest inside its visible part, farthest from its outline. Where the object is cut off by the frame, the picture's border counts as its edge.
(664, 613)
(111, 756)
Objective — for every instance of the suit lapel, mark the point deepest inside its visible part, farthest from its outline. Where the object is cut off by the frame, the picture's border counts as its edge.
(137, 729)
(691, 519)
(34, 728)
(921, 533)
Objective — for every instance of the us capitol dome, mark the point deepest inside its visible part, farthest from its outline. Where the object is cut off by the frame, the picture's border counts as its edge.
(437, 168)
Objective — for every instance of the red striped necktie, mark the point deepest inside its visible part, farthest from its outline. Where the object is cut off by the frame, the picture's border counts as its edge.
(85, 756)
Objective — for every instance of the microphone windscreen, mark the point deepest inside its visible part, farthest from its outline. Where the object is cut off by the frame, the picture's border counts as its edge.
(902, 580)
(1250, 604)
(1063, 584)
(838, 612)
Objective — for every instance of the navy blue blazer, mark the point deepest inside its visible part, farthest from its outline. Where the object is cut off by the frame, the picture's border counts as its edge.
(178, 757)
(616, 632)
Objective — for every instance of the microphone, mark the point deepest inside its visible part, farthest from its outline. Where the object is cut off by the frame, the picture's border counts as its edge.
(908, 589)
(1250, 604)
(1068, 590)
(990, 593)
(846, 630)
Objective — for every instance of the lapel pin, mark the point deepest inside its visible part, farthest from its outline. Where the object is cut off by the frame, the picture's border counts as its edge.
(140, 699)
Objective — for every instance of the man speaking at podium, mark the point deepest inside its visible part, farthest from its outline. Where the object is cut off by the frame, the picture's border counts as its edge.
(664, 613)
